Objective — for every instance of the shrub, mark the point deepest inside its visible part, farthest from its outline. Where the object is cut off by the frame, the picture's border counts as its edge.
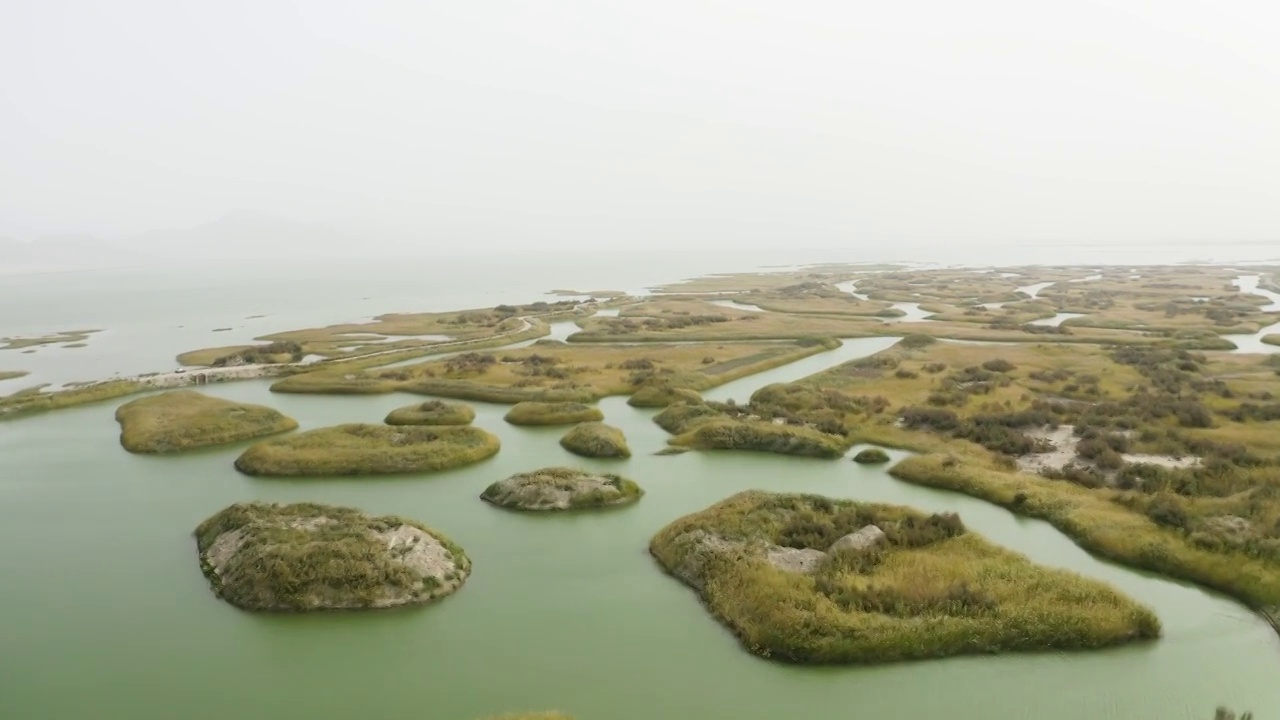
(597, 440)
(999, 365)
(552, 413)
(871, 456)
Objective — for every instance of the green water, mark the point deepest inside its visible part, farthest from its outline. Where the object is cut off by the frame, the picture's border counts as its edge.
(106, 614)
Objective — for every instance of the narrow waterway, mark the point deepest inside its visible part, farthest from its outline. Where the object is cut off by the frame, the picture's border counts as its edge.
(108, 617)
(1248, 285)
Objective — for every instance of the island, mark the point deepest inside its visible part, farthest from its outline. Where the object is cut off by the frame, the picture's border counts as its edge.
(306, 556)
(809, 579)
(596, 440)
(185, 420)
(432, 412)
(871, 456)
(364, 449)
(552, 413)
(559, 488)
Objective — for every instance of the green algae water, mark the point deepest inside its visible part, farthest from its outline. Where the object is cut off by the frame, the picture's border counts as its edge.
(107, 616)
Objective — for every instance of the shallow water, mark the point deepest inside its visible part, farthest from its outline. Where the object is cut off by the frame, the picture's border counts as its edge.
(1033, 290)
(1056, 320)
(108, 616)
(737, 305)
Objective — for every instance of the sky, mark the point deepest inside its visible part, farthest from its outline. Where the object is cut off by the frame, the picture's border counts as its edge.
(697, 123)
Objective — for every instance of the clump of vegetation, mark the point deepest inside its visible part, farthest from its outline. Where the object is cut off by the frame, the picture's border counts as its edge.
(432, 412)
(559, 488)
(871, 456)
(730, 434)
(281, 351)
(804, 578)
(552, 413)
(361, 449)
(184, 420)
(306, 556)
(596, 440)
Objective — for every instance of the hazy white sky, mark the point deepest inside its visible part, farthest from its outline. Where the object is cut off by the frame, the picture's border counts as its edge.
(699, 121)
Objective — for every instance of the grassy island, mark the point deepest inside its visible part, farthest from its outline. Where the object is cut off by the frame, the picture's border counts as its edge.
(559, 488)
(305, 556)
(12, 374)
(184, 420)
(71, 337)
(731, 434)
(552, 413)
(360, 449)
(432, 412)
(803, 578)
(597, 440)
(871, 456)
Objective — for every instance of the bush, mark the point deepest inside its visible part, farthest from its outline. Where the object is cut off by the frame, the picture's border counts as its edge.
(871, 456)
(596, 440)
(999, 365)
(728, 434)
(552, 413)
(914, 341)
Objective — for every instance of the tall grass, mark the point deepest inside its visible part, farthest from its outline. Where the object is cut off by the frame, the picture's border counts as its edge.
(552, 413)
(596, 440)
(560, 488)
(21, 404)
(307, 556)
(184, 419)
(931, 590)
(432, 412)
(360, 449)
(730, 434)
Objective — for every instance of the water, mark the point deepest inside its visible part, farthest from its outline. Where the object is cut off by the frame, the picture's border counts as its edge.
(1248, 285)
(108, 617)
(735, 305)
(1056, 320)
(913, 313)
(1033, 291)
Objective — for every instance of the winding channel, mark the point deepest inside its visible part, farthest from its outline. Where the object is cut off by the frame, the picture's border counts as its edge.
(561, 612)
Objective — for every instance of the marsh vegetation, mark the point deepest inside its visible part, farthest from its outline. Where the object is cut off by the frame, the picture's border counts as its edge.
(560, 488)
(552, 413)
(184, 420)
(596, 440)
(360, 449)
(432, 412)
(306, 556)
(804, 578)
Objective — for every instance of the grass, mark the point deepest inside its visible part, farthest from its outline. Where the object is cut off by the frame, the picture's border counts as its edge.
(546, 716)
(1271, 339)
(559, 488)
(184, 420)
(929, 589)
(432, 412)
(967, 408)
(359, 449)
(1094, 521)
(730, 434)
(596, 440)
(32, 401)
(871, 456)
(558, 372)
(306, 556)
(552, 413)
(21, 343)
(12, 374)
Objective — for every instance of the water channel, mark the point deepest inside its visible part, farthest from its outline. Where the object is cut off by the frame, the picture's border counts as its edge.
(108, 616)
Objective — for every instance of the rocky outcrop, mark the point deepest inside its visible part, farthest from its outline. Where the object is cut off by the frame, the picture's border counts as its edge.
(866, 538)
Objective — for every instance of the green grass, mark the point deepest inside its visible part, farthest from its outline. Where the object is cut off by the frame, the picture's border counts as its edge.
(552, 413)
(930, 590)
(432, 412)
(729, 434)
(871, 456)
(360, 449)
(542, 716)
(559, 488)
(596, 440)
(184, 420)
(306, 556)
(1105, 528)
(32, 401)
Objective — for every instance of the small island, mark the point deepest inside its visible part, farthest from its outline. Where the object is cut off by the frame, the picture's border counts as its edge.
(559, 488)
(552, 413)
(732, 434)
(871, 456)
(596, 440)
(363, 449)
(432, 412)
(184, 420)
(305, 556)
(808, 579)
